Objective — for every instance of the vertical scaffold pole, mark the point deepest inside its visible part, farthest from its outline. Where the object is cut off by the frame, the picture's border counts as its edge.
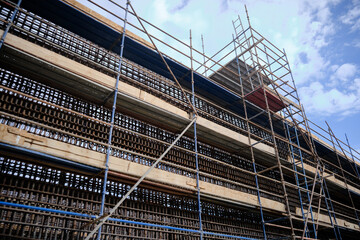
(16, 10)
(103, 197)
(203, 51)
(195, 140)
(249, 141)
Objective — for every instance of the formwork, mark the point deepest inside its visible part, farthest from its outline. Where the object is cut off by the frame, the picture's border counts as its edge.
(106, 134)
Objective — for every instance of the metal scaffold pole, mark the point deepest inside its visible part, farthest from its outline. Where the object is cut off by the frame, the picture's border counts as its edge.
(10, 23)
(195, 141)
(203, 51)
(108, 152)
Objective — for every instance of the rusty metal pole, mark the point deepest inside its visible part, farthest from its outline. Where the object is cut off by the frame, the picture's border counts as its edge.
(203, 51)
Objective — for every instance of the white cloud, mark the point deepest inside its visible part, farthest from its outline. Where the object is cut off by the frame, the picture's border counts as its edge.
(352, 17)
(180, 6)
(357, 44)
(355, 86)
(334, 67)
(162, 13)
(326, 102)
(339, 97)
(344, 73)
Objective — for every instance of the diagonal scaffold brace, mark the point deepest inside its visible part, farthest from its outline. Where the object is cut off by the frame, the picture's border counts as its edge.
(102, 219)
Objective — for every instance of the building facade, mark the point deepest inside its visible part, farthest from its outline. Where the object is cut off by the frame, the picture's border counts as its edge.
(241, 159)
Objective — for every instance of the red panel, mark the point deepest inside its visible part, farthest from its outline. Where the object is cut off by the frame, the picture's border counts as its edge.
(257, 97)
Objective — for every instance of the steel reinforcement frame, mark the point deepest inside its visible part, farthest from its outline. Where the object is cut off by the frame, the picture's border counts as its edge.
(258, 55)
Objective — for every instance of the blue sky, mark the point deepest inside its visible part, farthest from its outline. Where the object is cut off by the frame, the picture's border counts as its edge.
(321, 38)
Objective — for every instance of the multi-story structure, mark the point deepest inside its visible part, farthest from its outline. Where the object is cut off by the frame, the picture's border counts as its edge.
(236, 137)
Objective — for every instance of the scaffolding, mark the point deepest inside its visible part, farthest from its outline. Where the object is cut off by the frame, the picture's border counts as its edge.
(255, 74)
(259, 59)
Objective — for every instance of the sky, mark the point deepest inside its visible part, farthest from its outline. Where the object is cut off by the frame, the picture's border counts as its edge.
(321, 39)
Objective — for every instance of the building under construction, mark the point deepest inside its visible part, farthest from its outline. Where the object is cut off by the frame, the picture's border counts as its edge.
(106, 135)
